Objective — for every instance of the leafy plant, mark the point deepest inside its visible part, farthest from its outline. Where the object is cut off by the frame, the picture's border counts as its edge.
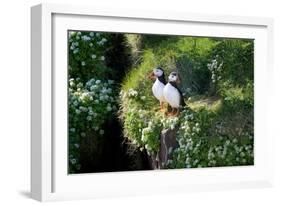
(90, 106)
(86, 55)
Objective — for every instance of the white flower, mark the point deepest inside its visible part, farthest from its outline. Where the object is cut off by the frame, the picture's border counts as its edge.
(91, 44)
(72, 129)
(104, 40)
(80, 85)
(83, 63)
(103, 90)
(73, 161)
(89, 118)
(92, 87)
(132, 92)
(85, 96)
(106, 97)
(98, 81)
(85, 38)
(111, 82)
(71, 33)
(92, 34)
(108, 108)
(84, 109)
(102, 58)
(109, 90)
(101, 132)
(94, 56)
(72, 84)
(234, 140)
(101, 98)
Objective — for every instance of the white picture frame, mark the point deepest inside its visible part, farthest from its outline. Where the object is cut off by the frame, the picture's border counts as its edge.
(49, 178)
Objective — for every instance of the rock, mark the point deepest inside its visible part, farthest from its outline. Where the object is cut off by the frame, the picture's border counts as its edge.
(154, 161)
(168, 143)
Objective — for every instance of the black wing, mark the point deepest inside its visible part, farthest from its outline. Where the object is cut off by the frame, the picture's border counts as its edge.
(182, 103)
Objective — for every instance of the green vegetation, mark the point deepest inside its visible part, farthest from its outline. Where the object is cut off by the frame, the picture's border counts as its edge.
(108, 82)
(92, 95)
(216, 126)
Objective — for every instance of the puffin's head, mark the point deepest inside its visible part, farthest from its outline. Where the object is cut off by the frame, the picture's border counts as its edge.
(158, 72)
(174, 77)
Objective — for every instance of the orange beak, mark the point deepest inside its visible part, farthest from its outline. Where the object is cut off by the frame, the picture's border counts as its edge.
(152, 76)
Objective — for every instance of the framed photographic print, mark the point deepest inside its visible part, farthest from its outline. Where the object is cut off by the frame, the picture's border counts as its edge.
(137, 102)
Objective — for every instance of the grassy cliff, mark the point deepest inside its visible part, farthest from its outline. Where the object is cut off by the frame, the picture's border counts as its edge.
(216, 126)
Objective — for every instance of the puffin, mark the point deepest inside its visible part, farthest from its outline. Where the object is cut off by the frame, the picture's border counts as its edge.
(159, 84)
(173, 94)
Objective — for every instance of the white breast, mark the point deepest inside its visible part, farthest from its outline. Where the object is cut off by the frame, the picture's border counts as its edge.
(157, 90)
(172, 95)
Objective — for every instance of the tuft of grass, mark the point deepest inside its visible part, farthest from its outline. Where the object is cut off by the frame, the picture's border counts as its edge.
(198, 102)
(139, 74)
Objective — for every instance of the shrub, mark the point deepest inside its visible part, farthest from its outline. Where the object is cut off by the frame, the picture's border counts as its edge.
(86, 55)
(237, 56)
(197, 149)
(90, 106)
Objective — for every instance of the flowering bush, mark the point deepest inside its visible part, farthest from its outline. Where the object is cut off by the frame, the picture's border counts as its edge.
(151, 136)
(200, 144)
(196, 149)
(90, 106)
(216, 69)
(87, 55)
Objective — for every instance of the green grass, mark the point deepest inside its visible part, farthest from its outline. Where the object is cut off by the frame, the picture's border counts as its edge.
(230, 106)
(140, 74)
(198, 102)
